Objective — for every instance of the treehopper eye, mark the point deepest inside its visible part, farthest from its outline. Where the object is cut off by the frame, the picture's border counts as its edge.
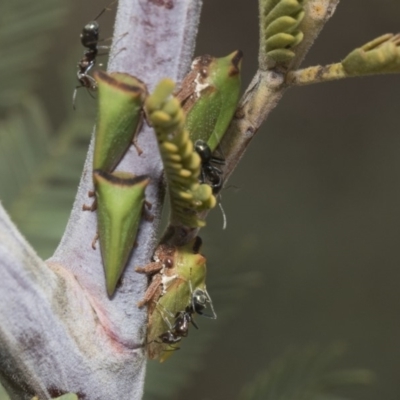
(182, 293)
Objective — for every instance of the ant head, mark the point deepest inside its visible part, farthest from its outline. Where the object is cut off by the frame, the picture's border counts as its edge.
(203, 150)
(200, 298)
(199, 301)
(90, 34)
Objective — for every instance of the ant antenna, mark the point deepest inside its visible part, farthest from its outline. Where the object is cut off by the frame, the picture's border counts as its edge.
(224, 220)
(214, 315)
(105, 9)
(163, 316)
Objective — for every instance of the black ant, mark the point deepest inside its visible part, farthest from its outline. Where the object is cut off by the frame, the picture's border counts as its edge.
(209, 172)
(180, 328)
(90, 40)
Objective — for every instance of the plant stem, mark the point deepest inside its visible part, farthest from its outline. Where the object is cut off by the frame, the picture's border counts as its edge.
(316, 74)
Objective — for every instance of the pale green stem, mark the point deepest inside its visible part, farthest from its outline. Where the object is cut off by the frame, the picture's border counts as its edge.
(316, 74)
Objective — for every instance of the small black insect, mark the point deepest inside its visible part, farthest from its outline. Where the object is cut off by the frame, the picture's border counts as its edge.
(180, 328)
(210, 173)
(200, 299)
(89, 40)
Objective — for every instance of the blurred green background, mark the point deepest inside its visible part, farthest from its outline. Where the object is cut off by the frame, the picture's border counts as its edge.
(311, 251)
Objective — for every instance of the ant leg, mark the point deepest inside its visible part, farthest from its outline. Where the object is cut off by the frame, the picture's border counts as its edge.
(217, 160)
(91, 94)
(74, 96)
(214, 315)
(165, 314)
(96, 237)
(216, 182)
(109, 47)
(135, 137)
(136, 146)
(93, 83)
(202, 176)
(193, 323)
(93, 207)
(224, 219)
(116, 53)
(104, 10)
(216, 169)
(110, 38)
(87, 69)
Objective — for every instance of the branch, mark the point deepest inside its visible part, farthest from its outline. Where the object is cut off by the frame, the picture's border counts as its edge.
(380, 56)
(268, 86)
(62, 332)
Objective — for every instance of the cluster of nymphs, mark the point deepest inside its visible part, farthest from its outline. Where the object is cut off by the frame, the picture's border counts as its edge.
(189, 125)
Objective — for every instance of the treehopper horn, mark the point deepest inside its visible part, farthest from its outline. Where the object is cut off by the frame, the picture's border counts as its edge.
(121, 98)
(120, 199)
